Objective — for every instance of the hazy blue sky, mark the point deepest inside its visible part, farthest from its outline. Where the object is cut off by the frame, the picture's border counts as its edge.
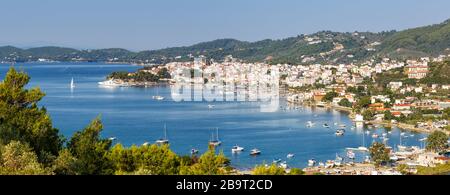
(152, 24)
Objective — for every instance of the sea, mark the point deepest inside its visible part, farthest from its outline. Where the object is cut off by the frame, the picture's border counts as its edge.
(133, 117)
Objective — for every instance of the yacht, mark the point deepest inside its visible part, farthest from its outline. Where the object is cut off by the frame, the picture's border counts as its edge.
(194, 151)
(146, 144)
(310, 124)
(283, 165)
(112, 138)
(340, 132)
(290, 155)
(311, 162)
(157, 97)
(276, 161)
(326, 125)
(163, 140)
(109, 83)
(215, 142)
(329, 164)
(237, 149)
(255, 152)
(350, 154)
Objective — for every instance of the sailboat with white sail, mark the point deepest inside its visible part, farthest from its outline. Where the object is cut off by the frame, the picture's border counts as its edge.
(163, 140)
(72, 84)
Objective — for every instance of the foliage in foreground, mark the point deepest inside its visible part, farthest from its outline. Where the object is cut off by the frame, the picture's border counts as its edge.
(29, 145)
(438, 170)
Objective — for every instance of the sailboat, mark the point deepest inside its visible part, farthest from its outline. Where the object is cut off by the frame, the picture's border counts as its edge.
(215, 142)
(157, 96)
(163, 140)
(72, 84)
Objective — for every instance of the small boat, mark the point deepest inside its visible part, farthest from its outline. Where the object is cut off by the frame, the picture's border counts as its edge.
(342, 125)
(326, 125)
(146, 144)
(283, 165)
(276, 161)
(157, 97)
(112, 138)
(402, 134)
(384, 134)
(402, 148)
(368, 132)
(310, 124)
(367, 159)
(255, 152)
(338, 161)
(211, 106)
(311, 162)
(163, 140)
(290, 155)
(375, 136)
(340, 132)
(362, 148)
(194, 151)
(329, 164)
(109, 83)
(351, 154)
(237, 149)
(321, 164)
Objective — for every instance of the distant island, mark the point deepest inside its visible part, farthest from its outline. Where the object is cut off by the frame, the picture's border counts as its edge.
(322, 47)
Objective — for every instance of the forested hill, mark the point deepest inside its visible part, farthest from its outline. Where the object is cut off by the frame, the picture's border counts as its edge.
(321, 47)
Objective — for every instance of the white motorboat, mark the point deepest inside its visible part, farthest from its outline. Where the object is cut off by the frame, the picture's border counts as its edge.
(109, 83)
(146, 144)
(283, 165)
(311, 162)
(255, 152)
(375, 136)
(340, 132)
(310, 124)
(351, 154)
(210, 106)
(194, 151)
(112, 138)
(237, 149)
(276, 161)
(290, 155)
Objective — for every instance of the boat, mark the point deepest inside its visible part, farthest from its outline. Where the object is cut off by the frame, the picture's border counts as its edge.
(283, 165)
(340, 132)
(109, 83)
(368, 132)
(157, 97)
(326, 125)
(329, 164)
(237, 149)
(215, 142)
(72, 85)
(384, 134)
(362, 148)
(338, 161)
(194, 151)
(350, 154)
(255, 152)
(211, 106)
(276, 161)
(375, 136)
(112, 138)
(310, 124)
(311, 162)
(342, 125)
(146, 144)
(290, 155)
(321, 164)
(163, 140)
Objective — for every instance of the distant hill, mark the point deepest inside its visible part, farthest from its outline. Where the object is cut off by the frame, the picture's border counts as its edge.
(321, 47)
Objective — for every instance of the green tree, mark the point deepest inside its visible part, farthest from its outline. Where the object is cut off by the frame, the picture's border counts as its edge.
(329, 96)
(270, 170)
(364, 102)
(65, 163)
(368, 115)
(19, 159)
(208, 164)
(22, 120)
(388, 115)
(91, 151)
(296, 171)
(379, 153)
(345, 103)
(437, 141)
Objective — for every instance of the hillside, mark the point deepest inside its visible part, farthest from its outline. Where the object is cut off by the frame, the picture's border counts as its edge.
(321, 47)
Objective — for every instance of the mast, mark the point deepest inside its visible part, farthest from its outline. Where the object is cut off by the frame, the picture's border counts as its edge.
(165, 132)
(217, 130)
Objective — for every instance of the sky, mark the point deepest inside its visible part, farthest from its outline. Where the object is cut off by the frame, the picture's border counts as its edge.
(153, 24)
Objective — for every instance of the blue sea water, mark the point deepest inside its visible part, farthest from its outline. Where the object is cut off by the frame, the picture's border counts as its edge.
(131, 115)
